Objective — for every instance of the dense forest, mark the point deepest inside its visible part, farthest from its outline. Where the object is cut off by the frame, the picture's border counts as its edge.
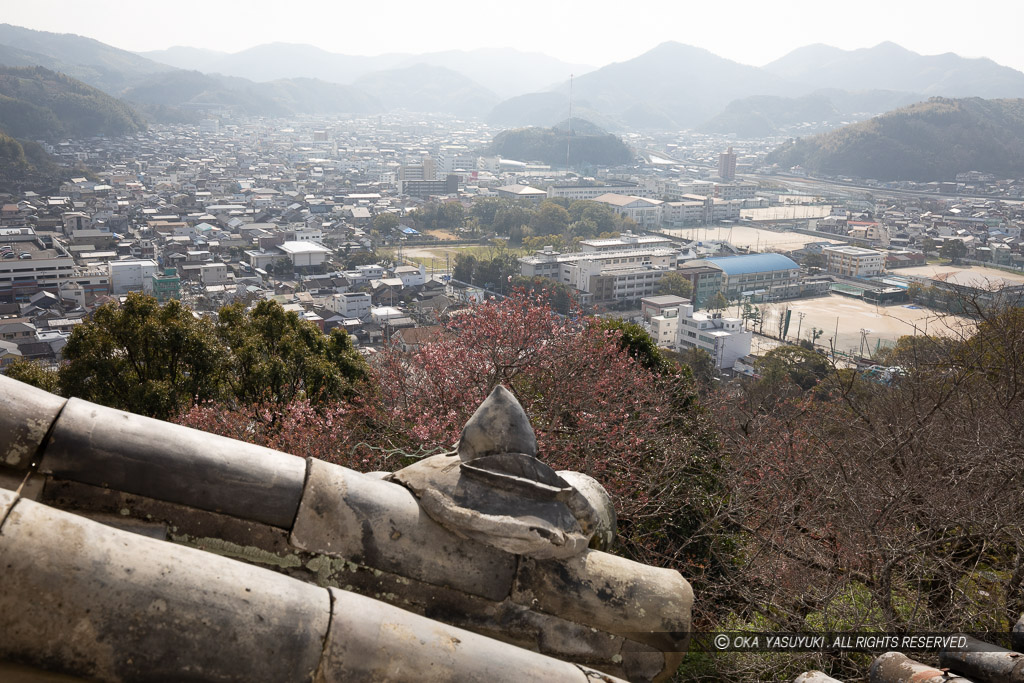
(932, 140)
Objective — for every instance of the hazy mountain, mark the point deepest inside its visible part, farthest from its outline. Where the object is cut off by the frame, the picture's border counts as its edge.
(187, 58)
(891, 67)
(313, 96)
(673, 85)
(545, 109)
(85, 59)
(425, 88)
(506, 71)
(822, 110)
(193, 91)
(767, 115)
(274, 61)
(38, 103)
(932, 140)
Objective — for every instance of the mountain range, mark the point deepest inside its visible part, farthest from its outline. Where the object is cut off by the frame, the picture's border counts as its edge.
(888, 66)
(504, 71)
(670, 87)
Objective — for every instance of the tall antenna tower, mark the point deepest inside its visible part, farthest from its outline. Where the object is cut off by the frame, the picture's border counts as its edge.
(568, 132)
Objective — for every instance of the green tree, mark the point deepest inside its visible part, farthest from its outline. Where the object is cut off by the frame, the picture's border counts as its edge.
(145, 358)
(278, 357)
(465, 267)
(36, 374)
(954, 250)
(282, 267)
(814, 260)
(701, 364)
(802, 367)
(550, 219)
(676, 284)
(718, 302)
(601, 216)
(635, 341)
(385, 223)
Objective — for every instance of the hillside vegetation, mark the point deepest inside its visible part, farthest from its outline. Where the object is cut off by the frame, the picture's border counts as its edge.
(38, 103)
(932, 140)
(25, 165)
(548, 145)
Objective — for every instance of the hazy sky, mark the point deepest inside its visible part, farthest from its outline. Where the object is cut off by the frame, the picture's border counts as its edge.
(593, 32)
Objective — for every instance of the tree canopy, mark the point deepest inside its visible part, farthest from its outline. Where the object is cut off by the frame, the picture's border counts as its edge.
(159, 360)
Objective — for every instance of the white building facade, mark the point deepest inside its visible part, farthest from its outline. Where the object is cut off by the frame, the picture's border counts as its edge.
(723, 338)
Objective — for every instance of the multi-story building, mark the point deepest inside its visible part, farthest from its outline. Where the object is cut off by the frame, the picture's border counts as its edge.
(723, 338)
(705, 281)
(644, 212)
(853, 261)
(166, 285)
(428, 188)
(727, 165)
(594, 190)
(756, 276)
(27, 266)
(425, 170)
(132, 275)
(350, 304)
(699, 210)
(735, 190)
(625, 241)
(604, 275)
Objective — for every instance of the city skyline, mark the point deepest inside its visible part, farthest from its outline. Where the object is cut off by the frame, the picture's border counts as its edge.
(593, 33)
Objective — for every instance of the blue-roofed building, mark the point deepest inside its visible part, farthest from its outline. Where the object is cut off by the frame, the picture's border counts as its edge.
(756, 276)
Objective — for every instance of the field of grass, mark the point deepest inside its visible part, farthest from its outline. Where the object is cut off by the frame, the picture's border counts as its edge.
(434, 257)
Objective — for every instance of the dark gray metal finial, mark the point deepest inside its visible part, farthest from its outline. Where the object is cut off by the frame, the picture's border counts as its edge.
(499, 425)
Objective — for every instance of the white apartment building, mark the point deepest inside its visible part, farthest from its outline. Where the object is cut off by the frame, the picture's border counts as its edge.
(350, 304)
(723, 338)
(854, 261)
(135, 275)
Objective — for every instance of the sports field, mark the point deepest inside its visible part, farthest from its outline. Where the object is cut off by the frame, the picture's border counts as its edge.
(746, 237)
(883, 324)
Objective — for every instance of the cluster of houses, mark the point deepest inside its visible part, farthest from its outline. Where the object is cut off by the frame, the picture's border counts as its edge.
(259, 210)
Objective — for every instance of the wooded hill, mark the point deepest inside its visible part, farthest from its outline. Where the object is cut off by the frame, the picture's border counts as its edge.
(38, 103)
(548, 145)
(932, 140)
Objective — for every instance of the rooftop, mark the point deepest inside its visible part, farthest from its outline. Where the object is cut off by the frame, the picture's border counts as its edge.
(304, 247)
(753, 263)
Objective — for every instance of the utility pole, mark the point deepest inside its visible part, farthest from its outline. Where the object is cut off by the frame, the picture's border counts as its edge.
(799, 324)
(568, 133)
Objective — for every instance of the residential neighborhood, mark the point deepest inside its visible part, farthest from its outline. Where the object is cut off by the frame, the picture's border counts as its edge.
(330, 219)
